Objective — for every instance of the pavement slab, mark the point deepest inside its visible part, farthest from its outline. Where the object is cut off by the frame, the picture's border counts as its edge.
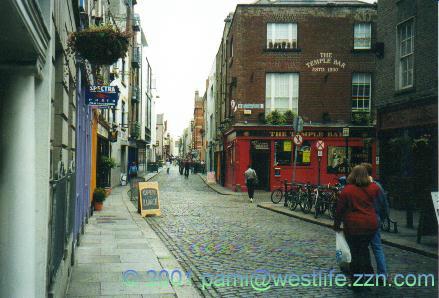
(120, 256)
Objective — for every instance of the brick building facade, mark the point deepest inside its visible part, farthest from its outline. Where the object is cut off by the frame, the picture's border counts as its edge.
(198, 126)
(316, 60)
(406, 94)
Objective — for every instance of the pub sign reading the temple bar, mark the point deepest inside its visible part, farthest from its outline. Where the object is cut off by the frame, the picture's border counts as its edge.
(102, 96)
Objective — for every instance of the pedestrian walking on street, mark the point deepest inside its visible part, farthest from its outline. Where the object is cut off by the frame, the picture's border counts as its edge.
(168, 166)
(250, 181)
(180, 166)
(187, 165)
(132, 173)
(355, 208)
(382, 212)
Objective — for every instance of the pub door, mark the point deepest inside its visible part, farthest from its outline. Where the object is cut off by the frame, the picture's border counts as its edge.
(261, 164)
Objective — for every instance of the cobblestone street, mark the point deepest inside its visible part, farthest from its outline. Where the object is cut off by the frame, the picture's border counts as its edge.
(212, 234)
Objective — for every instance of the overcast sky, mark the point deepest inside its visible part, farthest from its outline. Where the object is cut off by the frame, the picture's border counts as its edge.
(183, 38)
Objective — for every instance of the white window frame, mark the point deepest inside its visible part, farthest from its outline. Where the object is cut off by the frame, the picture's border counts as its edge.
(291, 40)
(367, 79)
(362, 31)
(293, 92)
(405, 57)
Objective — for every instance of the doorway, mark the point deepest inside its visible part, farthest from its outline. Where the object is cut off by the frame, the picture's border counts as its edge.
(260, 159)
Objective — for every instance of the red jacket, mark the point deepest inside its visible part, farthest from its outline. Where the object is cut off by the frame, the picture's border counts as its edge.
(355, 208)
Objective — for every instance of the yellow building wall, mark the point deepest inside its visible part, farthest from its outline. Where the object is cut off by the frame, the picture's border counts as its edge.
(94, 149)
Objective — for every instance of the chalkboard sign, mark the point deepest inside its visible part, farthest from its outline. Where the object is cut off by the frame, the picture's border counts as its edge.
(149, 199)
(149, 203)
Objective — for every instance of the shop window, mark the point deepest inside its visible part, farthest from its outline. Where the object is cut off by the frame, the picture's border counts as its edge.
(337, 158)
(283, 153)
(304, 154)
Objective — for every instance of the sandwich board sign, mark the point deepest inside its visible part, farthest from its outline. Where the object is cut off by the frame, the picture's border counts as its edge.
(149, 198)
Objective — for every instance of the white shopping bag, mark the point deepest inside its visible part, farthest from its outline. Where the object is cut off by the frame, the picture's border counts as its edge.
(342, 251)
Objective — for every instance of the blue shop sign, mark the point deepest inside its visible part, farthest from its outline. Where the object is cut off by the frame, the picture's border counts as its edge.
(102, 96)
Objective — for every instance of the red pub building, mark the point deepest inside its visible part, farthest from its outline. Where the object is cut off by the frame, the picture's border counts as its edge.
(315, 59)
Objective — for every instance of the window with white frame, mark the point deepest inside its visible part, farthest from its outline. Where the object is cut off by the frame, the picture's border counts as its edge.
(281, 35)
(361, 91)
(406, 37)
(362, 36)
(281, 92)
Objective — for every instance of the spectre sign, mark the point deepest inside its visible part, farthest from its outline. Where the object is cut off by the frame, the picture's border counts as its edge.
(298, 140)
(102, 96)
(320, 145)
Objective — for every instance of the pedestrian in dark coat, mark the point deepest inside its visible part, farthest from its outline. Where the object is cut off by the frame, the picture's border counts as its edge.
(250, 181)
(355, 208)
(187, 165)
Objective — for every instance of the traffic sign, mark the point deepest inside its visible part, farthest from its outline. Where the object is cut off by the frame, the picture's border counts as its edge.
(320, 145)
(320, 153)
(298, 140)
(346, 131)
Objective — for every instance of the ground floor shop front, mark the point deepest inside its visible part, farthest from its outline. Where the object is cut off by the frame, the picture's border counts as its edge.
(270, 151)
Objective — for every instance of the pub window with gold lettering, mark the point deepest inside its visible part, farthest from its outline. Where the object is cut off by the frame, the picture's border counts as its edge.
(283, 153)
(304, 154)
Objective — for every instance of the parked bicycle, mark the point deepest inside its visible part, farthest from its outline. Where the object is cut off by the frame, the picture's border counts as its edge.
(278, 194)
(326, 198)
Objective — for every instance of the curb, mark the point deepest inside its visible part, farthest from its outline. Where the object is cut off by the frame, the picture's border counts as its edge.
(211, 187)
(153, 176)
(384, 241)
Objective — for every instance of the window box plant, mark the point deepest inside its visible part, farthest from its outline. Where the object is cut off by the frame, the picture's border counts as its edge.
(100, 45)
(289, 117)
(361, 118)
(99, 198)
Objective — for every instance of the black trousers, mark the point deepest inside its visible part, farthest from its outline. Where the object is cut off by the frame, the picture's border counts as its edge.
(250, 188)
(359, 246)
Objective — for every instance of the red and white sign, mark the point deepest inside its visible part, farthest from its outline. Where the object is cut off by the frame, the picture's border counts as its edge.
(320, 145)
(298, 140)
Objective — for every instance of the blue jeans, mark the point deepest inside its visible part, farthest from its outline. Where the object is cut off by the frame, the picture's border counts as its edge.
(377, 248)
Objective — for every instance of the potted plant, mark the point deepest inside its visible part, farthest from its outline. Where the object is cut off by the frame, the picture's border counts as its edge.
(107, 163)
(99, 198)
(100, 45)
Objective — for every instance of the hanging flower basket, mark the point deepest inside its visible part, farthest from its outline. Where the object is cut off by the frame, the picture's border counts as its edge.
(100, 45)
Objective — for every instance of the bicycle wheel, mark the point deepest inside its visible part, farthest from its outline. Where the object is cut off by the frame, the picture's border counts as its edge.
(306, 203)
(276, 196)
(292, 200)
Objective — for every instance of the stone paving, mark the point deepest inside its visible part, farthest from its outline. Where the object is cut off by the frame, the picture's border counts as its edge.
(210, 234)
(118, 247)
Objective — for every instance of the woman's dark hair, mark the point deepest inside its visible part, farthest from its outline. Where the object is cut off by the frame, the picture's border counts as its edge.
(359, 176)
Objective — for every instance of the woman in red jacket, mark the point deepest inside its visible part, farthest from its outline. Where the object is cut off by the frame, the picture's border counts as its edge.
(355, 208)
